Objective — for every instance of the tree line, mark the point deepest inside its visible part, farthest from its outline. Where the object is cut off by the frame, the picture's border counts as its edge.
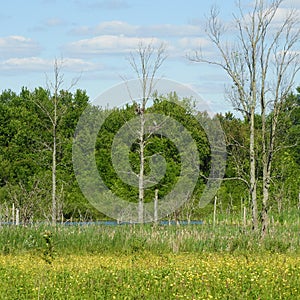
(26, 155)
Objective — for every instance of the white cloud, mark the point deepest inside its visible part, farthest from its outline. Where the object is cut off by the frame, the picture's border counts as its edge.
(282, 14)
(114, 37)
(117, 27)
(193, 43)
(80, 65)
(28, 64)
(171, 30)
(18, 46)
(292, 4)
(37, 64)
(108, 44)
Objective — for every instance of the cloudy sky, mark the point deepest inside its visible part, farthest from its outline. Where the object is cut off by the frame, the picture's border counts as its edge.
(95, 37)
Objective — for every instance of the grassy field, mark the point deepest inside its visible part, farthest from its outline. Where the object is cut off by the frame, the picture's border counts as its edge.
(149, 276)
(226, 261)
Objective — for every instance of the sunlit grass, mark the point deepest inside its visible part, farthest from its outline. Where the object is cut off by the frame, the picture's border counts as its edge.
(149, 276)
(226, 261)
(127, 239)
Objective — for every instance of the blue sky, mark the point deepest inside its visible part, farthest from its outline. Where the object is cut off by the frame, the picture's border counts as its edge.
(94, 37)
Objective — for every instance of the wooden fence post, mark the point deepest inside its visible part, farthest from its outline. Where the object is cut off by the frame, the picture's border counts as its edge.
(215, 211)
(156, 206)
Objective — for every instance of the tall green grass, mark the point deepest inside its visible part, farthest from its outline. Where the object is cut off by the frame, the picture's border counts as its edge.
(224, 236)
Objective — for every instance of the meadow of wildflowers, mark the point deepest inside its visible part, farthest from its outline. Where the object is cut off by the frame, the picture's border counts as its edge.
(146, 262)
(148, 276)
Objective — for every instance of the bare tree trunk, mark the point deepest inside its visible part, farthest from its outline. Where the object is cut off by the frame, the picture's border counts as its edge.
(148, 62)
(54, 205)
(57, 83)
(266, 173)
(13, 213)
(17, 217)
(215, 211)
(253, 193)
(268, 150)
(156, 206)
(142, 167)
(54, 113)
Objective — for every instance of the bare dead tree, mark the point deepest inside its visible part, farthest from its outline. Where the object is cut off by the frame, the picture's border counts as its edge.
(54, 113)
(262, 65)
(27, 200)
(145, 62)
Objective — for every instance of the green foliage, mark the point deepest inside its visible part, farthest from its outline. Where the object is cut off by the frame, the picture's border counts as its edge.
(286, 173)
(25, 155)
(170, 105)
(48, 253)
(284, 187)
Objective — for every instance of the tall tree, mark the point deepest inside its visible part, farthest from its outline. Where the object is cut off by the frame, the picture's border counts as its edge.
(262, 64)
(173, 107)
(53, 111)
(145, 63)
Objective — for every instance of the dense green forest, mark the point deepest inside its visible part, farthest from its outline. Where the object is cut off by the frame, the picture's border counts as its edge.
(26, 156)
